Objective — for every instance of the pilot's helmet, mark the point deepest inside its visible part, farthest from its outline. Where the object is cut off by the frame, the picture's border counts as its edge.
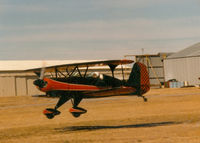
(95, 74)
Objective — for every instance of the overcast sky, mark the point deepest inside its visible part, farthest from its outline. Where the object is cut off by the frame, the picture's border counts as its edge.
(96, 29)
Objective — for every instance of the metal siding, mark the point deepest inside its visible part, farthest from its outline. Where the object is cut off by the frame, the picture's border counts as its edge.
(21, 86)
(156, 82)
(193, 70)
(175, 69)
(170, 69)
(184, 69)
(158, 72)
(7, 86)
(156, 61)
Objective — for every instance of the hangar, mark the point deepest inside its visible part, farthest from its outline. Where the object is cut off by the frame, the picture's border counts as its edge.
(184, 66)
(15, 82)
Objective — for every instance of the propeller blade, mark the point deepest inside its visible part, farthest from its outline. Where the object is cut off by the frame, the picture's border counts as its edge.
(40, 82)
(42, 71)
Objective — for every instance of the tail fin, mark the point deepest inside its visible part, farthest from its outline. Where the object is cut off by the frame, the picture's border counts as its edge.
(139, 78)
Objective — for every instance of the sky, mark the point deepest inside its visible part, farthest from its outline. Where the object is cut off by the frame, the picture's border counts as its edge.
(95, 29)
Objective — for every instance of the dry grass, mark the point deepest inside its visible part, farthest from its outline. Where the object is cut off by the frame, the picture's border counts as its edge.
(170, 116)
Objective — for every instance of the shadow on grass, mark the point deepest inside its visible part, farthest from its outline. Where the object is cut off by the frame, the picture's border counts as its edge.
(90, 128)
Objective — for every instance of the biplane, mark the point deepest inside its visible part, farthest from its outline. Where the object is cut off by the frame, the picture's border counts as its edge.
(72, 82)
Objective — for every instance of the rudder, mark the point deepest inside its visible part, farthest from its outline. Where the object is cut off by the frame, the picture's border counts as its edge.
(139, 78)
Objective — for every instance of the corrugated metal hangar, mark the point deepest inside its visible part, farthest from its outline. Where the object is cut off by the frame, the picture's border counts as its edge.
(184, 65)
(15, 82)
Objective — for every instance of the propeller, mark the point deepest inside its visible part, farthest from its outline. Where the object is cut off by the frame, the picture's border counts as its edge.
(42, 71)
(40, 82)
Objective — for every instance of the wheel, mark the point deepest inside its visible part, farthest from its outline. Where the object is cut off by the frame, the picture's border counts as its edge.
(50, 113)
(50, 116)
(76, 115)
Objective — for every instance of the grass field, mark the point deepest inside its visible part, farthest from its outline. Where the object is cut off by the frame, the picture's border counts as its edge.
(169, 116)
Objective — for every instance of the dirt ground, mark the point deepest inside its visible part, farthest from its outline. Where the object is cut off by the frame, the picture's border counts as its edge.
(169, 116)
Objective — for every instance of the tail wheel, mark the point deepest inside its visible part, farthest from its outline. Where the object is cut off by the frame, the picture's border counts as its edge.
(145, 99)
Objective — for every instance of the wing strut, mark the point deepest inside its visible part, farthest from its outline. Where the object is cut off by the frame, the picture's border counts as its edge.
(112, 68)
(86, 71)
(122, 72)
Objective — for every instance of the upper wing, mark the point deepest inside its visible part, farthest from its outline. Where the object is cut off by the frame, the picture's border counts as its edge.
(63, 67)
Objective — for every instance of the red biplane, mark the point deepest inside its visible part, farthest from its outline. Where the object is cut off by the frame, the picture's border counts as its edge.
(76, 84)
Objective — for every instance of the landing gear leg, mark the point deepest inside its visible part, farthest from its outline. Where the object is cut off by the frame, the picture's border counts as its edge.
(62, 100)
(75, 110)
(50, 112)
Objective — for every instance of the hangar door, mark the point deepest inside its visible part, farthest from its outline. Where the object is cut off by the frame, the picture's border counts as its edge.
(21, 86)
(18, 86)
(7, 86)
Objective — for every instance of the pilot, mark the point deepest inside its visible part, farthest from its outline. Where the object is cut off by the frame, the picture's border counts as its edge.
(98, 78)
(96, 75)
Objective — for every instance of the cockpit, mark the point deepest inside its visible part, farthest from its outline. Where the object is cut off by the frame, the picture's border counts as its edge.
(95, 75)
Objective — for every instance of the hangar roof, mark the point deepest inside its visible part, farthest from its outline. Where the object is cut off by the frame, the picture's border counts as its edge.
(21, 65)
(191, 51)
